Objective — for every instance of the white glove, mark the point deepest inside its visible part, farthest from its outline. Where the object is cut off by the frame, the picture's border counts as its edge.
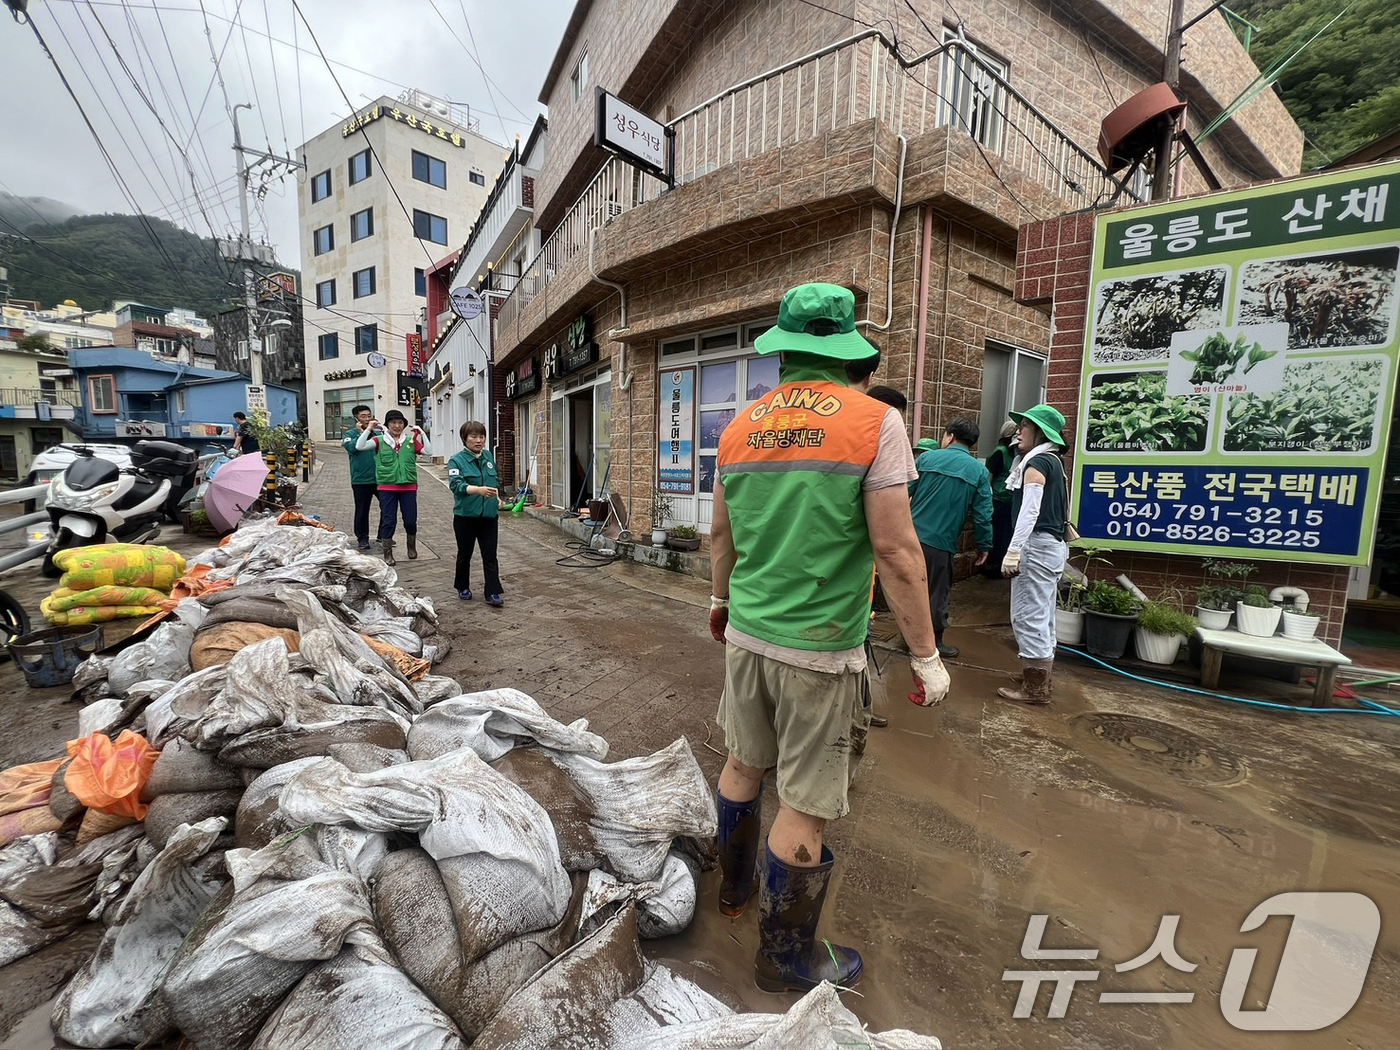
(1011, 564)
(931, 680)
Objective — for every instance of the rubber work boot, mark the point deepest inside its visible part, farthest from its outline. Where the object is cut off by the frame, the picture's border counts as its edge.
(410, 542)
(738, 851)
(388, 548)
(790, 958)
(948, 652)
(1035, 683)
(878, 721)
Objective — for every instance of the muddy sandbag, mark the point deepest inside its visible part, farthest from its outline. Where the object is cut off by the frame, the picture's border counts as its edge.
(217, 643)
(565, 1005)
(285, 911)
(361, 757)
(63, 804)
(358, 675)
(569, 810)
(32, 851)
(640, 805)
(415, 914)
(42, 905)
(358, 994)
(99, 715)
(183, 768)
(665, 905)
(168, 812)
(165, 654)
(494, 845)
(265, 748)
(240, 605)
(177, 708)
(435, 688)
(494, 721)
(110, 1001)
(259, 820)
(817, 1021)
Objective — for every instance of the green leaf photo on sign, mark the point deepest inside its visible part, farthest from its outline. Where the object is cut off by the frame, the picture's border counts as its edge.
(1132, 413)
(1324, 406)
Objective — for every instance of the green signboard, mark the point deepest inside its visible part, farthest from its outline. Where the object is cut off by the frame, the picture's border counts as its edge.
(1239, 371)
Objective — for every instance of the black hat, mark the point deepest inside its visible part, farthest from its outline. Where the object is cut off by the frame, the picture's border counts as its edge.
(394, 414)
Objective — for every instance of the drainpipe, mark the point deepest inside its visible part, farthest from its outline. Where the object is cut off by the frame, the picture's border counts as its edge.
(894, 225)
(625, 377)
(921, 323)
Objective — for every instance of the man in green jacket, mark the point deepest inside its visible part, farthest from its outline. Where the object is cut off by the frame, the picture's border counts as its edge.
(950, 482)
(362, 480)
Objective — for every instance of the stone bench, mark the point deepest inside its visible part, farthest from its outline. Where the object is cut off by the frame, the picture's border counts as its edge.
(1310, 653)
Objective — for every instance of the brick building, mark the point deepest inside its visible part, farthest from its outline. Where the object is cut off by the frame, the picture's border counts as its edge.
(898, 160)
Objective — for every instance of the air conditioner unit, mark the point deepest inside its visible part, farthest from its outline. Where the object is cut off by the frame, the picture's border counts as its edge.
(432, 104)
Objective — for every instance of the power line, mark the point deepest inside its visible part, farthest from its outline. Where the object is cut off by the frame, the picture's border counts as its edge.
(276, 80)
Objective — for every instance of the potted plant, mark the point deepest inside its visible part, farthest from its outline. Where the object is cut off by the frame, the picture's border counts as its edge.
(1300, 624)
(1215, 602)
(1069, 599)
(1255, 614)
(683, 538)
(660, 514)
(1161, 628)
(1109, 615)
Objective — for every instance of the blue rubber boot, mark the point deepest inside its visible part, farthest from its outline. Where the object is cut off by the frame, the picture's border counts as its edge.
(738, 851)
(790, 958)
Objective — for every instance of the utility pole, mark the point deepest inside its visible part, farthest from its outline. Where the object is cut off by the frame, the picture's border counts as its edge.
(1171, 74)
(245, 251)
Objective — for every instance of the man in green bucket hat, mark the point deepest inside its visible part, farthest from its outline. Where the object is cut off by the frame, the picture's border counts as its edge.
(1036, 556)
(809, 499)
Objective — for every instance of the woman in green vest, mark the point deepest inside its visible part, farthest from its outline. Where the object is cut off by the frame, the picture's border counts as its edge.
(396, 447)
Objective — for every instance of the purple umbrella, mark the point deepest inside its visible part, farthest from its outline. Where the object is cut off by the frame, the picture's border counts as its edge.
(234, 489)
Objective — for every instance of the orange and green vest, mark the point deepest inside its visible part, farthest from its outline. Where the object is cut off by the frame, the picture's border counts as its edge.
(792, 465)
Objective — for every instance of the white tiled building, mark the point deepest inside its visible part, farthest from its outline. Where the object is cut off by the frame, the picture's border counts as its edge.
(386, 193)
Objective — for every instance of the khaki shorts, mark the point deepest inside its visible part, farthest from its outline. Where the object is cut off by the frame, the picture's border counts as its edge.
(774, 714)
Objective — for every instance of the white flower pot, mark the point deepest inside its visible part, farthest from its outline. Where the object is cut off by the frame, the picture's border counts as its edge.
(1300, 628)
(1214, 619)
(1156, 648)
(1069, 626)
(658, 537)
(1260, 622)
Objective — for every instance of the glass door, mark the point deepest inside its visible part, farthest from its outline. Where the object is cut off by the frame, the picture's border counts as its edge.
(558, 455)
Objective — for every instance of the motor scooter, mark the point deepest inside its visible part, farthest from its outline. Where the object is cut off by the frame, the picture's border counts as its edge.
(94, 500)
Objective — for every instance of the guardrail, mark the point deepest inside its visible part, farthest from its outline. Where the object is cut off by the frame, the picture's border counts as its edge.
(28, 396)
(861, 78)
(39, 494)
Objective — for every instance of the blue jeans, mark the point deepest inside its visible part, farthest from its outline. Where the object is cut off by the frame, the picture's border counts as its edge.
(390, 502)
(1033, 593)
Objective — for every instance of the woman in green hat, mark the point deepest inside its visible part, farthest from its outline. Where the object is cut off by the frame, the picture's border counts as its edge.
(1036, 555)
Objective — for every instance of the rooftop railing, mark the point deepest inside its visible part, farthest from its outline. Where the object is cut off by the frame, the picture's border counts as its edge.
(854, 80)
(25, 396)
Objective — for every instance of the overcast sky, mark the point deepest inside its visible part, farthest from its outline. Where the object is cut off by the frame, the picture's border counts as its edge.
(375, 49)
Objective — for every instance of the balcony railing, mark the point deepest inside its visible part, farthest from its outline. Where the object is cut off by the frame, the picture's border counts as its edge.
(861, 78)
(23, 396)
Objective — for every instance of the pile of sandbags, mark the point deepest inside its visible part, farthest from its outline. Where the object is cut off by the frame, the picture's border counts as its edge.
(338, 848)
(111, 581)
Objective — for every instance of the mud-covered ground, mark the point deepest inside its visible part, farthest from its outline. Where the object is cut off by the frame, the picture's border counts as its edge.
(1119, 804)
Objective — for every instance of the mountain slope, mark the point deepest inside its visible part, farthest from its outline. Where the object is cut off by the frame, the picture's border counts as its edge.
(22, 212)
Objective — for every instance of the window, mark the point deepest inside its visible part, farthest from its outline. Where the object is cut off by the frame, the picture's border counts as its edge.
(339, 402)
(429, 227)
(359, 167)
(102, 394)
(320, 186)
(41, 438)
(1012, 380)
(322, 240)
(420, 281)
(328, 346)
(579, 77)
(366, 338)
(477, 178)
(242, 349)
(972, 96)
(430, 170)
(325, 293)
(180, 402)
(362, 282)
(362, 224)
